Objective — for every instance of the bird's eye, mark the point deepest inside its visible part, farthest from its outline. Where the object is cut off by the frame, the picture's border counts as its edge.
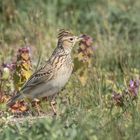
(71, 39)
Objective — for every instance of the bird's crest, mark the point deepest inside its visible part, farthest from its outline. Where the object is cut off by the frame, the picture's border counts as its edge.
(64, 33)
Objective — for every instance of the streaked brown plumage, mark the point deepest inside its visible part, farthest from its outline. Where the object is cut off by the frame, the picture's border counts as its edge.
(52, 77)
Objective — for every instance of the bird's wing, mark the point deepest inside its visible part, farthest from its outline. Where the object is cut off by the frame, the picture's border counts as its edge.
(42, 75)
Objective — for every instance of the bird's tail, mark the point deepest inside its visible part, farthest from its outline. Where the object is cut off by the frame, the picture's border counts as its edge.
(14, 99)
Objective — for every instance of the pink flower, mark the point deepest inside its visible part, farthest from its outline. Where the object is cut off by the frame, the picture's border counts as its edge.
(134, 87)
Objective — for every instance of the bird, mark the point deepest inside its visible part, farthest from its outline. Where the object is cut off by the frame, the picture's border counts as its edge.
(50, 78)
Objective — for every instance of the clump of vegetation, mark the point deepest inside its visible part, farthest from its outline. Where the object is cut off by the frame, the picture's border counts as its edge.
(128, 95)
(83, 58)
(23, 67)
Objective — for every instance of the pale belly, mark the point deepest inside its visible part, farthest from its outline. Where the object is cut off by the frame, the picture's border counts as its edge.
(53, 86)
(62, 77)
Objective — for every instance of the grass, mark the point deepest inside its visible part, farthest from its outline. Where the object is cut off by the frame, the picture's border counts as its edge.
(85, 112)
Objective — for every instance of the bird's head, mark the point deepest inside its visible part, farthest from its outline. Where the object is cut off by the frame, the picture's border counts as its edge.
(67, 40)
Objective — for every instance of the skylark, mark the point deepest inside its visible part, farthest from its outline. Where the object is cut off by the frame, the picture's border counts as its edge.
(52, 77)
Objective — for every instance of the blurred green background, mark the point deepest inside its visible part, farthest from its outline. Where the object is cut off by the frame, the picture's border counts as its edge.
(115, 28)
(113, 24)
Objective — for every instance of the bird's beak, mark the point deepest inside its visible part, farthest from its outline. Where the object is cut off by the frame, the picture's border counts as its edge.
(79, 38)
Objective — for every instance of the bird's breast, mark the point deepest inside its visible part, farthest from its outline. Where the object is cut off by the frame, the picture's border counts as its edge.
(63, 74)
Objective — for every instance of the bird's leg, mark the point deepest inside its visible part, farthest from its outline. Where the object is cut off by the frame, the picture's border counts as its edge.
(53, 108)
(52, 105)
(36, 104)
(38, 108)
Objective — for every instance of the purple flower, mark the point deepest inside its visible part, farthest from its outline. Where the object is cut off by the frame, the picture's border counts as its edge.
(87, 40)
(24, 50)
(131, 84)
(134, 87)
(10, 66)
(118, 98)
